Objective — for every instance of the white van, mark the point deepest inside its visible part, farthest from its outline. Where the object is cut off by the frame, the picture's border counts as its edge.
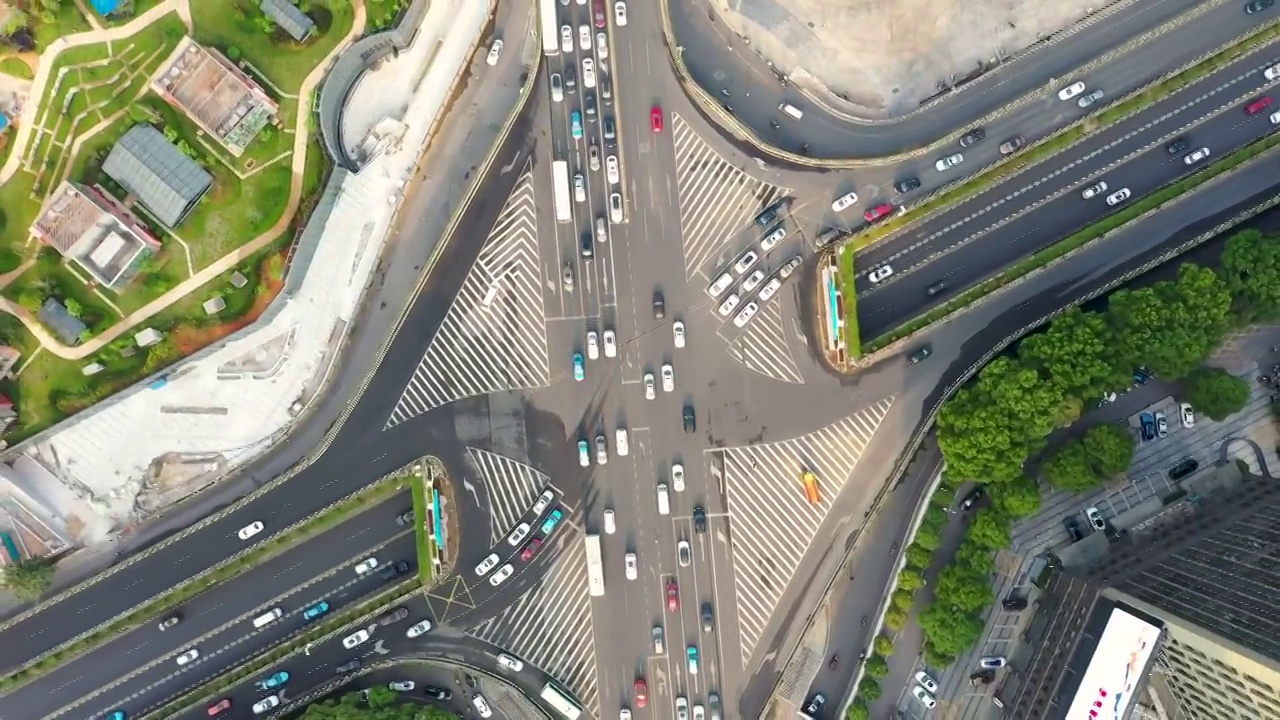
(664, 500)
(267, 617)
(795, 112)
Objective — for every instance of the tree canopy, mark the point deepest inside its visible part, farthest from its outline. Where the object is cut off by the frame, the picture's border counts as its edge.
(1251, 271)
(382, 704)
(28, 579)
(1216, 393)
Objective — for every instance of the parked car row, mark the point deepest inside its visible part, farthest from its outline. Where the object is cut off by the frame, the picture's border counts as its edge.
(519, 537)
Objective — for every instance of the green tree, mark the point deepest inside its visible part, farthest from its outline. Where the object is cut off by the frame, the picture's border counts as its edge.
(876, 667)
(976, 558)
(74, 308)
(903, 598)
(383, 704)
(1069, 468)
(14, 21)
(990, 528)
(950, 632)
(919, 556)
(1251, 271)
(1216, 393)
(28, 579)
(1110, 449)
(869, 689)
(927, 537)
(895, 618)
(960, 588)
(1171, 326)
(1075, 354)
(936, 657)
(910, 580)
(858, 710)
(1017, 499)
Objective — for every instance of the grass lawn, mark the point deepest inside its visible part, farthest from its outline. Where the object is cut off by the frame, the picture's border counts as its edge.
(16, 67)
(67, 20)
(846, 276)
(284, 62)
(380, 14)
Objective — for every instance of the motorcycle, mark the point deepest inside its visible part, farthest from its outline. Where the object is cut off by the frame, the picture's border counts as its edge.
(864, 621)
(835, 660)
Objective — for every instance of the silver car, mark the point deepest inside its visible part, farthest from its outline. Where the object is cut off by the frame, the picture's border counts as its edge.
(948, 162)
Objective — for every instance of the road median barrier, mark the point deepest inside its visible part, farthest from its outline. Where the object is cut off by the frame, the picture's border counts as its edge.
(1144, 206)
(237, 564)
(426, 548)
(322, 631)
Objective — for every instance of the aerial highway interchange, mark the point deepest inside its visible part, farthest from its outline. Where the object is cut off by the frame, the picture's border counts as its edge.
(572, 324)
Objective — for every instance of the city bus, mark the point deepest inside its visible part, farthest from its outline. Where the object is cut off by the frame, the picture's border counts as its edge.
(560, 701)
(560, 182)
(550, 28)
(595, 568)
(812, 492)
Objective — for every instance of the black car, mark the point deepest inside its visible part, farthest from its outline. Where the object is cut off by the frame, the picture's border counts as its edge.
(699, 519)
(405, 517)
(659, 307)
(1178, 146)
(1258, 6)
(973, 497)
(920, 354)
(982, 677)
(394, 616)
(570, 80)
(1014, 603)
(973, 136)
(690, 421)
(587, 249)
(610, 132)
(906, 184)
(771, 213)
(436, 693)
(395, 570)
(708, 618)
(1073, 529)
(1183, 469)
(349, 666)
(815, 705)
(589, 104)
(828, 236)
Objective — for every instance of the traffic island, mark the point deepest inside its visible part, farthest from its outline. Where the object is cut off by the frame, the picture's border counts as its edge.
(229, 569)
(437, 545)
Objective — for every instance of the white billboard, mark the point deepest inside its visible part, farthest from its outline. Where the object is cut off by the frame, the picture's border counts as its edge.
(1117, 667)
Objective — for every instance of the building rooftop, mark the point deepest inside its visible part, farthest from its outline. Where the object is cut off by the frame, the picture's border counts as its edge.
(167, 182)
(57, 318)
(92, 228)
(290, 19)
(213, 92)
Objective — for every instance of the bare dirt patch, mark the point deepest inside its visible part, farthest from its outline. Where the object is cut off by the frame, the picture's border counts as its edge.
(889, 55)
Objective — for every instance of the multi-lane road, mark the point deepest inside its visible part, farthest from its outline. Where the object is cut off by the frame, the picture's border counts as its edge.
(481, 375)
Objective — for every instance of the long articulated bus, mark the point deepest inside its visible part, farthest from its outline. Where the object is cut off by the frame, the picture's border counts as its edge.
(550, 28)
(595, 568)
(561, 702)
(560, 178)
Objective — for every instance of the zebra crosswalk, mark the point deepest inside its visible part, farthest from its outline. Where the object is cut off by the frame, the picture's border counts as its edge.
(717, 200)
(494, 336)
(512, 487)
(763, 483)
(762, 346)
(550, 625)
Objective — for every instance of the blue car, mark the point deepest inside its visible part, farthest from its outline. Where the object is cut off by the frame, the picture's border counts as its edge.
(274, 681)
(117, 715)
(579, 371)
(316, 610)
(552, 521)
(575, 121)
(693, 660)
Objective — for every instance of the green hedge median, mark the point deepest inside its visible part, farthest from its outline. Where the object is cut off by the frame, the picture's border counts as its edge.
(262, 663)
(1077, 240)
(426, 547)
(163, 604)
(846, 277)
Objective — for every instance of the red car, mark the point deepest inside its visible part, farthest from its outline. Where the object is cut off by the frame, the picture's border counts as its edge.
(220, 707)
(878, 212)
(673, 596)
(642, 693)
(597, 9)
(1257, 106)
(531, 549)
(655, 118)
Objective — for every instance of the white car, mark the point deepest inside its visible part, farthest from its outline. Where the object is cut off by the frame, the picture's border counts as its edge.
(948, 162)
(684, 553)
(610, 522)
(771, 240)
(770, 289)
(729, 304)
(744, 317)
(924, 697)
(482, 706)
(927, 682)
(624, 714)
(510, 662)
(1071, 91)
(992, 662)
(615, 207)
(579, 188)
(668, 378)
(844, 202)
(602, 450)
(699, 713)
(745, 262)
(566, 38)
(677, 333)
(593, 345)
(1272, 72)
(249, 530)
(584, 454)
(355, 639)
(495, 52)
(878, 274)
(1118, 197)
(402, 685)
(503, 573)
(265, 704)
(518, 535)
(620, 442)
(542, 502)
(719, 285)
(677, 477)
(752, 281)
(419, 628)
(1095, 518)
(1094, 190)
(1196, 156)
(188, 656)
(588, 73)
(367, 565)
(602, 46)
(633, 568)
(620, 13)
(649, 393)
(557, 88)
(1275, 118)
(584, 37)
(611, 170)
(487, 564)
(682, 708)
(610, 344)
(1187, 414)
